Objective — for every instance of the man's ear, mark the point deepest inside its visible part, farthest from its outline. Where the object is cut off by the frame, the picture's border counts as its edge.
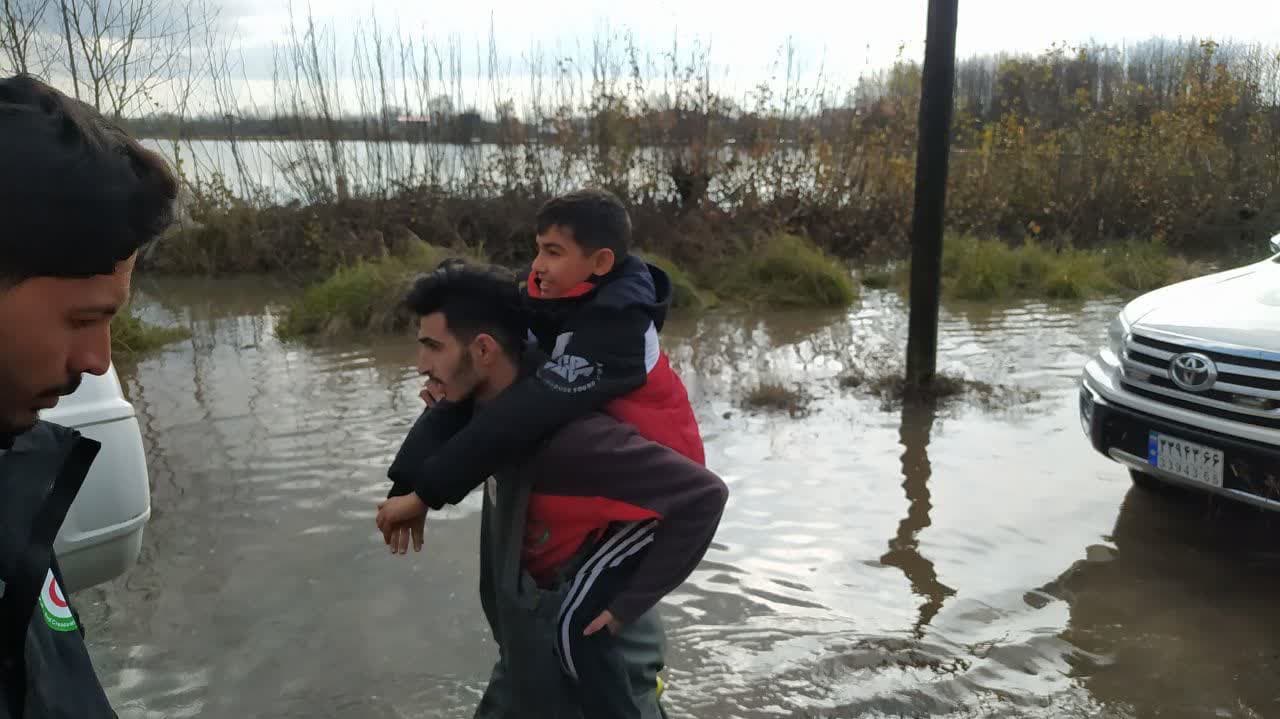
(603, 261)
(486, 348)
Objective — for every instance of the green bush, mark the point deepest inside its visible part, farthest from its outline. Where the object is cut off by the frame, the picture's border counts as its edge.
(789, 271)
(685, 292)
(366, 296)
(1142, 266)
(990, 269)
(131, 337)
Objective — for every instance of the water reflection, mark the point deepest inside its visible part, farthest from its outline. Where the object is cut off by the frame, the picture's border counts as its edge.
(1177, 617)
(904, 549)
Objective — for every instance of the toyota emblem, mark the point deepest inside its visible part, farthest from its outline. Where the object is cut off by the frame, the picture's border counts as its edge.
(1193, 372)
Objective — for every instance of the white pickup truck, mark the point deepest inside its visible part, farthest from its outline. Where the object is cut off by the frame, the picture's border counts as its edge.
(102, 534)
(1187, 389)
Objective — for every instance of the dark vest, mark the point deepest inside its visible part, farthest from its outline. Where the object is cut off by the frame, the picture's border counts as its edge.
(45, 670)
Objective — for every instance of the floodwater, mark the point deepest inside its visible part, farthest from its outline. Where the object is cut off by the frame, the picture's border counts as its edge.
(974, 559)
(288, 170)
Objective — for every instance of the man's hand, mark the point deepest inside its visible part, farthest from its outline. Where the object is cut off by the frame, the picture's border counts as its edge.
(402, 534)
(604, 620)
(397, 511)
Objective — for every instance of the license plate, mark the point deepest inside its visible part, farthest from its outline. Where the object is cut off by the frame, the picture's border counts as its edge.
(1186, 459)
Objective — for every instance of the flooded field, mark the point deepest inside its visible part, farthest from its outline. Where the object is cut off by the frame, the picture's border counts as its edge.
(974, 559)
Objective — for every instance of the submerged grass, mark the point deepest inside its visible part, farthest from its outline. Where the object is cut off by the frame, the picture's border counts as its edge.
(131, 337)
(773, 396)
(365, 296)
(686, 293)
(787, 270)
(990, 269)
(778, 271)
(784, 271)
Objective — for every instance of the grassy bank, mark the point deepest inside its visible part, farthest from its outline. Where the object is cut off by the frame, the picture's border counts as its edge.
(363, 297)
(781, 271)
(988, 269)
(132, 338)
(686, 292)
(786, 270)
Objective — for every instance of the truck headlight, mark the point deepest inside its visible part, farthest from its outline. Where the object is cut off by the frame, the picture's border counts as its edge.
(1117, 333)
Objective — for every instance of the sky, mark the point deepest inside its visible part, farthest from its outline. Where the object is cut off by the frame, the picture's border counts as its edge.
(843, 39)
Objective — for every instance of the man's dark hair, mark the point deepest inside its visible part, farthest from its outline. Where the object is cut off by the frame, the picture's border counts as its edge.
(475, 299)
(77, 194)
(597, 219)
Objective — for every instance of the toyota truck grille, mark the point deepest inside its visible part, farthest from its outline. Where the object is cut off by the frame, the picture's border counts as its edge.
(1239, 386)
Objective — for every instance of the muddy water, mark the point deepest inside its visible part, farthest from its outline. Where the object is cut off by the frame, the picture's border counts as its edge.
(967, 560)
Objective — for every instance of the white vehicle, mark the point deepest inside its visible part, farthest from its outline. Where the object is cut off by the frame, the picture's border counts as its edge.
(102, 534)
(1187, 390)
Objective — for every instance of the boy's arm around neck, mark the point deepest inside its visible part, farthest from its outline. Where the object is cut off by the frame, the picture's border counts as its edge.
(601, 361)
(430, 431)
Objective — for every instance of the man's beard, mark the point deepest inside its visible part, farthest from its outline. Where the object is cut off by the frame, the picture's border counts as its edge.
(70, 387)
(6, 428)
(465, 376)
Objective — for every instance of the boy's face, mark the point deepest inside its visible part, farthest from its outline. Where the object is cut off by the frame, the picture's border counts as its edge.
(562, 264)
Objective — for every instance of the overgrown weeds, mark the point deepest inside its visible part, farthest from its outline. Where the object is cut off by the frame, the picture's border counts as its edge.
(773, 396)
(991, 269)
(786, 270)
(364, 297)
(131, 337)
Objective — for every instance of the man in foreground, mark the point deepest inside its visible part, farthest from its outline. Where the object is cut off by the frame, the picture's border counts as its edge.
(78, 198)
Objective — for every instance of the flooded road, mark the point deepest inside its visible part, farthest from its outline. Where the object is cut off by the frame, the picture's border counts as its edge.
(960, 561)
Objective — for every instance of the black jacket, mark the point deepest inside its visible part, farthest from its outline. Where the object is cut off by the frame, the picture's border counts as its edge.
(598, 340)
(45, 670)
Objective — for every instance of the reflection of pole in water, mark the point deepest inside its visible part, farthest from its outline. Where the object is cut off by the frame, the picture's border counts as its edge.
(904, 549)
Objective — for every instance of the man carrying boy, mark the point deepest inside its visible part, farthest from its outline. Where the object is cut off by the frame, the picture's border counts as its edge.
(596, 311)
(630, 517)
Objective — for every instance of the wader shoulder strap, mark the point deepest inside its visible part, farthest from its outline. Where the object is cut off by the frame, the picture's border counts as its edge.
(22, 588)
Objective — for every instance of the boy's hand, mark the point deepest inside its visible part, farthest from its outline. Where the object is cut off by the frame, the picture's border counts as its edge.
(604, 620)
(402, 534)
(432, 392)
(398, 510)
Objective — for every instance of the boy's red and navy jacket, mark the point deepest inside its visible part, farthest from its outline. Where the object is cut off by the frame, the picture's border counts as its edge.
(603, 347)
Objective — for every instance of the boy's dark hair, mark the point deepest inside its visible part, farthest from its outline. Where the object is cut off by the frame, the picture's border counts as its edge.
(597, 218)
(475, 299)
(77, 194)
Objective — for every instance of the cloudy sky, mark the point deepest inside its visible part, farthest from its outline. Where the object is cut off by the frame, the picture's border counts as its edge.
(845, 39)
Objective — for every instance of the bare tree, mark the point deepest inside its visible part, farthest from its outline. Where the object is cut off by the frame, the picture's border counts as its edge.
(20, 22)
(127, 49)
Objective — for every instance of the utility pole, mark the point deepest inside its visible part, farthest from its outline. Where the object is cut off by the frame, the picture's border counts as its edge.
(937, 89)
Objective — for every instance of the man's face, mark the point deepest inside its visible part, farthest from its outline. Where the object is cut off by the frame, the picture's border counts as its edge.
(445, 359)
(52, 331)
(561, 264)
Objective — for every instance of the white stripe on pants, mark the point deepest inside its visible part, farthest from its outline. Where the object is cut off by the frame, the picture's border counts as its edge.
(628, 540)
